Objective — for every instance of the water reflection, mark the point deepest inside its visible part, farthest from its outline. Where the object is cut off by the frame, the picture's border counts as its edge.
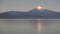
(18, 26)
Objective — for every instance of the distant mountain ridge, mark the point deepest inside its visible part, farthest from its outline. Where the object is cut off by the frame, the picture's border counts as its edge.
(34, 13)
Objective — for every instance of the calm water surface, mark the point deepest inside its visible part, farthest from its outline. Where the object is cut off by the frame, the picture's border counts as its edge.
(28, 26)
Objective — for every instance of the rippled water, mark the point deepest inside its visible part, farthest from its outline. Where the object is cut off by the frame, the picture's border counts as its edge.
(28, 26)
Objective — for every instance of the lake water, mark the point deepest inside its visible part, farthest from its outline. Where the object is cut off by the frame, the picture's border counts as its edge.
(28, 26)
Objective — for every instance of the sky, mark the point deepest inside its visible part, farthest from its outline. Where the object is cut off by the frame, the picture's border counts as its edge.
(26, 5)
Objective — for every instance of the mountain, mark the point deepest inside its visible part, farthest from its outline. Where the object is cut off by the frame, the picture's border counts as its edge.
(13, 14)
(45, 13)
(38, 12)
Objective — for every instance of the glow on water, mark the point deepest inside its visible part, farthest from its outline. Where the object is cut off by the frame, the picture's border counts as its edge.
(39, 26)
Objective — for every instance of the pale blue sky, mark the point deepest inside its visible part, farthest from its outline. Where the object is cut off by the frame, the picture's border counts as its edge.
(24, 5)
